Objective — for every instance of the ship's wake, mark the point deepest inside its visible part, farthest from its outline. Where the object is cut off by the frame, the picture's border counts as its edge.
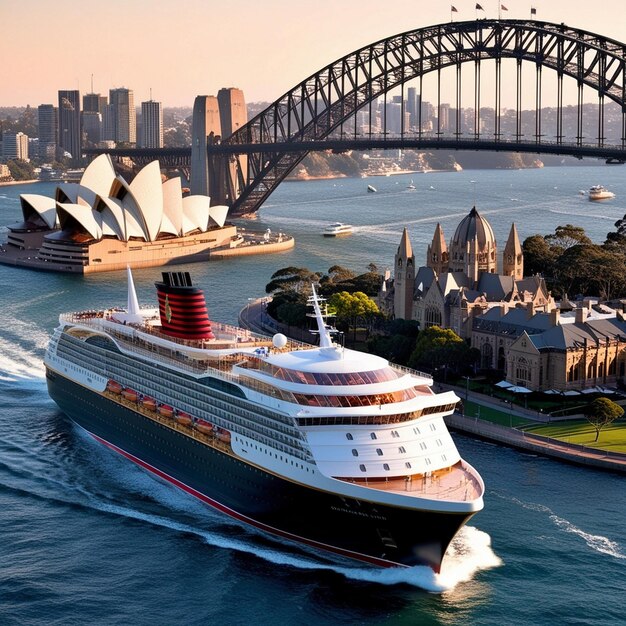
(598, 543)
(21, 370)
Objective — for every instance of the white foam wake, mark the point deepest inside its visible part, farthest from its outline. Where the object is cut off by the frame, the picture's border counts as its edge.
(598, 543)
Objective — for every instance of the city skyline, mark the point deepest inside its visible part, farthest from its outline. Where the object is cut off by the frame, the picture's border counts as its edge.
(251, 47)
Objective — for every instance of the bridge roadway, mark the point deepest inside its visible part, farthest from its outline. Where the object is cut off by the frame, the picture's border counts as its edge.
(182, 156)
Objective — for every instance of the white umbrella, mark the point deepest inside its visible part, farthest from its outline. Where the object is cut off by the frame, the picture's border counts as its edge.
(517, 389)
(552, 392)
(503, 384)
(590, 390)
(571, 392)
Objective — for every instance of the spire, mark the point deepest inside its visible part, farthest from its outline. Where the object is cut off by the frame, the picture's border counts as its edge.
(513, 245)
(437, 255)
(513, 256)
(405, 250)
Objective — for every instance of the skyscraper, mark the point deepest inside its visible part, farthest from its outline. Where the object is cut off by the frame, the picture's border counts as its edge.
(15, 146)
(152, 124)
(48, 121)
(69, 123)
(94, 103)
(122, 102)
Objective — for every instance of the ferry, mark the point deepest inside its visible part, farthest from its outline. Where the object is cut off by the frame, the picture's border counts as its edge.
(371, 189)
(338, 230)
(598, 192)
(314, 444)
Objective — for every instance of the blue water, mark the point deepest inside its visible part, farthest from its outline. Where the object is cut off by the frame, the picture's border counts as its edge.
(86, 537)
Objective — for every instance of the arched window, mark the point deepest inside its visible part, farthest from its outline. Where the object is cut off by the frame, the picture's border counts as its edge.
(522, 371)
(433, 316)
(486, 360)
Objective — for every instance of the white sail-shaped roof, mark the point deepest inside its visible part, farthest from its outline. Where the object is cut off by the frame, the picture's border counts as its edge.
(90, 220)
(172, 206)
(43, 206)
(135, 224)
(99, 175)
(147, 192)
(78, 194)
(113, 219)
(196, 213)
(218, 214)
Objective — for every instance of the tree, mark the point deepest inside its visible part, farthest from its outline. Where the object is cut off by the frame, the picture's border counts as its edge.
(567, 236)
(602, 412)
(350, 307)
(539, 257)
(440, 348)
(297, 279)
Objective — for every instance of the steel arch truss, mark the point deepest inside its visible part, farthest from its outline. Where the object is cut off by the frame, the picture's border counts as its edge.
(320, 105)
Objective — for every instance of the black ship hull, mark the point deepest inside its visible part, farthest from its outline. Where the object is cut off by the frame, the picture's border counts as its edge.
(379, 534)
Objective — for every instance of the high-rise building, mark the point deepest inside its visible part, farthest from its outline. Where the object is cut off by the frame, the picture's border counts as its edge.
(15, 146)
(233, 115)
(152, 124)
(205, 127)
(92, 126)
(122, 103)
(48, 121)
(69, 123)
(94, 102)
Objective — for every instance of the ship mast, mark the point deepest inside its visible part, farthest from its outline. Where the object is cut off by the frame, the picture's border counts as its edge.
(132, 310)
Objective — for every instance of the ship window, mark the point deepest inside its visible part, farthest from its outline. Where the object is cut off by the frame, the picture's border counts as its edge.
(386, 466)
(373, 435)
(379, 452)
(395, 433)
(407, 465)
(349, 436)
(416, 430)
(427, 461)
(402, 449)
(355, 452)
(362, 467)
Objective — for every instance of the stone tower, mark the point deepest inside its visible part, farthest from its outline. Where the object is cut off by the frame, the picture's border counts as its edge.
(404, 278)
(437, 255)
(513, 258)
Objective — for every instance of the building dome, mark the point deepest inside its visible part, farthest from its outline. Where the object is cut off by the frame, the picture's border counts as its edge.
(471, 226)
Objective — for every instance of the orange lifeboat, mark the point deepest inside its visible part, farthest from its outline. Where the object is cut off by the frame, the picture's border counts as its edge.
(204, 426)
(165, 410)
(223, 435)
(114, 387)
(129, 394)
(183, 418)
(148, 403)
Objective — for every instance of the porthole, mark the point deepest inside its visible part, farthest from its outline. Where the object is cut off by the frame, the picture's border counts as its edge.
(362, 467)
(349, 436)
(386, 466)
(379, 452)
(355, 452)
(373, 435)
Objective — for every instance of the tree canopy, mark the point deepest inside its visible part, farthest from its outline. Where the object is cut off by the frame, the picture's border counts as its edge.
(602, 412)
(441, 348)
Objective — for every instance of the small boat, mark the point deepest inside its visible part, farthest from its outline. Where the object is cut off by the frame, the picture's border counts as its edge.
(148, 403)
(371, 189)
(411, 185)
(165, 410)
(222, 434)
(183, 418)
(129, 394)
(114, 387)
(598, 192)
(337, 230)
(203, 426)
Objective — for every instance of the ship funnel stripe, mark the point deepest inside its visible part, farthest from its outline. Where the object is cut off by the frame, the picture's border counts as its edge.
(183, 311)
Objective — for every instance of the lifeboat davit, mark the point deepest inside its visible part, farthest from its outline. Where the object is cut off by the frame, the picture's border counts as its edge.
(129, 394)
(204, 426)
(165, 410)
(114, 387)
(183, 418)
(148, 403)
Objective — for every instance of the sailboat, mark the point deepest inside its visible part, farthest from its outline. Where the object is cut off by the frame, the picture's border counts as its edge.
(411, 185)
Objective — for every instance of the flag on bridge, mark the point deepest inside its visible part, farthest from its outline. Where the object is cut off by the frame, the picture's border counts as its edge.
(533, 11)
(453, 9)
(479, 8)
(503, 8)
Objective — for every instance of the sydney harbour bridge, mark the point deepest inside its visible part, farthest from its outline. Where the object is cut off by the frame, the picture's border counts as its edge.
(464, 68)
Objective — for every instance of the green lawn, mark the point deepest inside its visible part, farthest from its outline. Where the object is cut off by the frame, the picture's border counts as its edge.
(612, 437)
(496, 416)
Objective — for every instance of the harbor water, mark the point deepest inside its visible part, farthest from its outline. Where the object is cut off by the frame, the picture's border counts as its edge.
(87, 537)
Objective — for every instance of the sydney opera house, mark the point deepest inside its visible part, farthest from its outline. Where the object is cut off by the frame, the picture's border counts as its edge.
(104, 223)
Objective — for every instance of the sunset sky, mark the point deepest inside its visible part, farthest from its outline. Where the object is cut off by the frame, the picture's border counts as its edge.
(190, 47)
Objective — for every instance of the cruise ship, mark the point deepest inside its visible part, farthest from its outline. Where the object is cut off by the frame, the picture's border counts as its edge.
(316, 444)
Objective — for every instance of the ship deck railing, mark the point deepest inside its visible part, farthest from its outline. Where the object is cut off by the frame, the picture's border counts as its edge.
(456, 483)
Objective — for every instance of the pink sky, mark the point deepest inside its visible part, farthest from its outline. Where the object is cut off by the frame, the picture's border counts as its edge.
(190, 47)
